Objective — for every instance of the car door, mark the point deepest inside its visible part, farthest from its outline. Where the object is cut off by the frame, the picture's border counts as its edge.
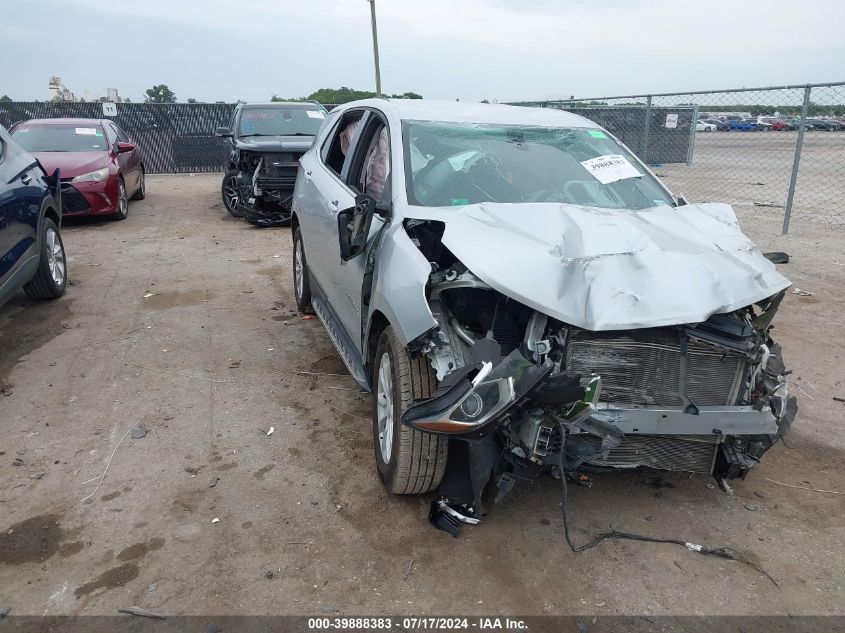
(21, 191)
(123, 159)
(133, 162)
(7, 194)
(322, 193)
(368, 173)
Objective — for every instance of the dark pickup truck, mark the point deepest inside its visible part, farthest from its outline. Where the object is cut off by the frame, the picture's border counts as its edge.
(265, 142)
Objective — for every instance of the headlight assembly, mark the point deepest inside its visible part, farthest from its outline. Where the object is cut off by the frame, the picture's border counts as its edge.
(93, 176)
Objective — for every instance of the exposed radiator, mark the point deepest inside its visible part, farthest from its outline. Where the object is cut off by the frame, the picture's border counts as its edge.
(687, 453)
(645, 369)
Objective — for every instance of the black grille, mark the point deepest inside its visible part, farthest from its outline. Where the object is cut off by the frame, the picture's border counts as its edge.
(72, 200)
(645, 369)
(687, 453)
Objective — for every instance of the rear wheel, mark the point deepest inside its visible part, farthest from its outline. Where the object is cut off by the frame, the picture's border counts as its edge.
(408, 461)
(50, 279)
(122, 201)
(141, 192)
(229, 191)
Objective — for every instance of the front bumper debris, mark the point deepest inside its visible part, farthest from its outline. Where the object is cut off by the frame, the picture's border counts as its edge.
(471, 407)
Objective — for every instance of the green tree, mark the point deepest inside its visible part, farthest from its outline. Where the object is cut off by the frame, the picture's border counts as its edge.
(339, 95)
(344, 95)
(192, 100)
(160, 93)
(277, 99)
(5, 99)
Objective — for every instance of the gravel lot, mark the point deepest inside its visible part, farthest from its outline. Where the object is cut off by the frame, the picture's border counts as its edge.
(183, 319)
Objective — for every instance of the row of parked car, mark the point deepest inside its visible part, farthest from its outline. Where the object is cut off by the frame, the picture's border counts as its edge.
(51, 169)
(767, 123)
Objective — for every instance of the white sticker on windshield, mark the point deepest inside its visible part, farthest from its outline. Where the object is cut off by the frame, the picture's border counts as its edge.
(610, 168)
(86, 131)
(315, 114)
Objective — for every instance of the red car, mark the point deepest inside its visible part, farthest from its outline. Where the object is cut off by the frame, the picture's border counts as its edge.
(101, 169)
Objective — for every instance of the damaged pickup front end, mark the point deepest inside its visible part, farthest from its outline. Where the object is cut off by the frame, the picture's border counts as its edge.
(264, 145)
(595, 380)
(261, 189)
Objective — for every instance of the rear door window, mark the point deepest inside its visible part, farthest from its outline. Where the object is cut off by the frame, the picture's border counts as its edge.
(341, 142)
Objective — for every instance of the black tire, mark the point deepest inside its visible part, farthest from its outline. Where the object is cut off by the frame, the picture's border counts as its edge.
(301, 292)
(416, 461)
(122, 201)
(141, 192)
(46, 285)
(230, 197)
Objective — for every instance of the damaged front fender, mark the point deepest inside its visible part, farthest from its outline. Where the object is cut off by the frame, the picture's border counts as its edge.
(399, 283)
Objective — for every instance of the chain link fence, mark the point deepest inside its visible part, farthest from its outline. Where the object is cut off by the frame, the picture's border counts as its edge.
(175, 138)
(778, 148)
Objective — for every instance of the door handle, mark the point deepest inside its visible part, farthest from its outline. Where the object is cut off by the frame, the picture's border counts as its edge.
(26, 179)
(308, 175)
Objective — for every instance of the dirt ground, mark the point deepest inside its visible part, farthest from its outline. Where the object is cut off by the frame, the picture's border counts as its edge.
(183, 319)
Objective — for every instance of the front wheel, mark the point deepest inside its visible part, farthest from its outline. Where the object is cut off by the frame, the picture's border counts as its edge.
(301, 278)
(229, 191)
(122, 201)
(408, 461)
(50, 279)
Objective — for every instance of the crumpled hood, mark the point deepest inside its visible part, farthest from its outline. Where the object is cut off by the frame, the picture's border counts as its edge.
(275, 143)
(602, 269)
(72, 163)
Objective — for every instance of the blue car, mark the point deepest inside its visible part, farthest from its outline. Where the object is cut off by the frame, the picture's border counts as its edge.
(744, 126)
(32, 255)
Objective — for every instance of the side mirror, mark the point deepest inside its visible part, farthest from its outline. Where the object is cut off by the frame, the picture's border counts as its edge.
(353, 225)
(223, 132)
(124, 147)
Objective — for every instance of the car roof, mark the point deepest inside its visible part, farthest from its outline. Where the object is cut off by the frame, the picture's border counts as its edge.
(459, 112)
(281, 104)
(64, 121)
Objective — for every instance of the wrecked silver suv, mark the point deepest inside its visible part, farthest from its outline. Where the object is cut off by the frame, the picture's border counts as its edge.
(521, 294)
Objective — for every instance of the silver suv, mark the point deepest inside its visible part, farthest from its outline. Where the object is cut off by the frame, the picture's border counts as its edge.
(521, 294)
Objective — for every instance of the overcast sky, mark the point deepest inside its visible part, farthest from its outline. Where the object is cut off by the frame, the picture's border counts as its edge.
(224, 50)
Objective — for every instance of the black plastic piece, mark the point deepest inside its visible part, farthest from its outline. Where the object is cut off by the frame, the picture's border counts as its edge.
(440, 519)
(557, 390)
(777, 257)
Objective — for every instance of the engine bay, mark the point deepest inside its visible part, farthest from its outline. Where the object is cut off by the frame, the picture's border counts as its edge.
(265, 184)
(705, 398)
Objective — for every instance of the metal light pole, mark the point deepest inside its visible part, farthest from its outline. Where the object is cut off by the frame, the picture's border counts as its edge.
(375, 46)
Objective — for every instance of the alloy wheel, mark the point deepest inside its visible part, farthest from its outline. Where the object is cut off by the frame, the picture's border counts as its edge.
(384, 408)
(122, 202)
(55, 258)
(230, 192)
(298, 269)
